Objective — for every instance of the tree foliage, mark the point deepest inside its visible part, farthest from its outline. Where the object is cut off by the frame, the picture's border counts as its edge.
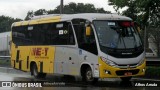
(142, 9)
(71, 8)
(30, 14)
(6, 22)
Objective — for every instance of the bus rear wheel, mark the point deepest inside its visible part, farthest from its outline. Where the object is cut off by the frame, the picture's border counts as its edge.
(126, 78)
(88, 77)
(36, 74)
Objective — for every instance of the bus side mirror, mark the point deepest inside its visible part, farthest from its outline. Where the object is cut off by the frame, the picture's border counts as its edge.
(88, 31)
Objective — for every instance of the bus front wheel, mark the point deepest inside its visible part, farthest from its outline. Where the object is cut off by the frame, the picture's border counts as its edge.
(88, 76)
(36, 74)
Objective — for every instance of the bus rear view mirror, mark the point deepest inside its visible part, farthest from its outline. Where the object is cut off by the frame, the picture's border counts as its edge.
(88, 31)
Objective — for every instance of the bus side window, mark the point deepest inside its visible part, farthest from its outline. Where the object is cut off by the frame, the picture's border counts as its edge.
(21, 36)
(87, 43)
(59, 34)
(65, 34)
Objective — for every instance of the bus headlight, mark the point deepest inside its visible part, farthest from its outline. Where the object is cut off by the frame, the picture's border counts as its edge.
(109, 62)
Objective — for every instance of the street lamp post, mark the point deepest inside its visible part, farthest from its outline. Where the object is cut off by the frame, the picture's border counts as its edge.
(61, 7)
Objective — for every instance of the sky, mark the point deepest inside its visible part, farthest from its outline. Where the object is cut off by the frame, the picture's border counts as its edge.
(19, 8)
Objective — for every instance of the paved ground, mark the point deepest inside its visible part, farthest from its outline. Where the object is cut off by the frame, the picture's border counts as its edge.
(9, 74)
(70, 82)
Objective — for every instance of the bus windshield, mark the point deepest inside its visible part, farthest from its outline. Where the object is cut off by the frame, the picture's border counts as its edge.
(117, 35)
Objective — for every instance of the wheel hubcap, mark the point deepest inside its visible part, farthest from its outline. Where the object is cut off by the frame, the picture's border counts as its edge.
(89, 75)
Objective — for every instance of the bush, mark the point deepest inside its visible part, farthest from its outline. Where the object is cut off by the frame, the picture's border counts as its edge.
(4, 63)
(152, 72)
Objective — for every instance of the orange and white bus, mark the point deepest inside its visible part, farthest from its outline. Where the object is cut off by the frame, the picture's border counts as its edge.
(91, 45)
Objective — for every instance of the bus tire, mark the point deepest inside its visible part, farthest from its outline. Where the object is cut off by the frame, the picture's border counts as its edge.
(126, 78)
(88, 76)
(36, 74)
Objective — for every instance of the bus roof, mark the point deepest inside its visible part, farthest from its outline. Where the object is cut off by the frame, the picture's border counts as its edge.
(65, 17)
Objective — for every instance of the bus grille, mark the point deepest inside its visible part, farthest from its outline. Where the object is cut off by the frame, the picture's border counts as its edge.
(122, 72)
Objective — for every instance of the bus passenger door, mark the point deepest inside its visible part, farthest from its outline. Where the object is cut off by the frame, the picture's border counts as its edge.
(87, 47)
(72, 53)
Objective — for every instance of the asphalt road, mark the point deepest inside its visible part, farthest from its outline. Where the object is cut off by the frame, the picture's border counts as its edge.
(74, 83)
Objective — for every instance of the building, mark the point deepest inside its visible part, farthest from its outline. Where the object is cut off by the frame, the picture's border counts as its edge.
(4, 43)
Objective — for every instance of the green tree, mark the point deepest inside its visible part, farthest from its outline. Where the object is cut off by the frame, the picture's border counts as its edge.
(136, 8)
(30, 14)
(6, 22)
(71, 8)
(40, 12)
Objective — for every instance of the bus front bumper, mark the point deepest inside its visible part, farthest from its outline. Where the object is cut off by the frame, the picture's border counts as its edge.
(107, 71)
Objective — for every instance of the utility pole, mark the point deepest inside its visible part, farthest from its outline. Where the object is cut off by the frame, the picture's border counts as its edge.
(61, 7)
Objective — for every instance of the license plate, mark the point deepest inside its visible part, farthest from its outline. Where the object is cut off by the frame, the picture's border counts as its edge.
(127, 73)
